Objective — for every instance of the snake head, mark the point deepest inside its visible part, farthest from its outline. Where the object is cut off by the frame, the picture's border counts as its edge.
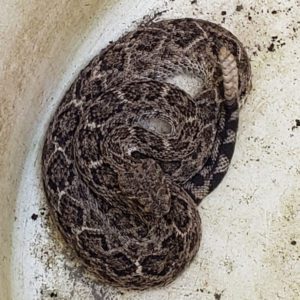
(146, 189)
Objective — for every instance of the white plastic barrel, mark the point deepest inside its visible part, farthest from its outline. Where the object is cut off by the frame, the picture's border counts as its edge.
(251, 238)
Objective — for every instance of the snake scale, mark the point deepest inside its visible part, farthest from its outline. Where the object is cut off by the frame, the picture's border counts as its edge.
(128, 155)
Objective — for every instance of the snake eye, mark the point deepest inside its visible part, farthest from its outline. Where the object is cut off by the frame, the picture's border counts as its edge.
(138, 155)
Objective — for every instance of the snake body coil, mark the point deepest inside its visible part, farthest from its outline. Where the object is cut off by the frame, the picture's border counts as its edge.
(128, 155)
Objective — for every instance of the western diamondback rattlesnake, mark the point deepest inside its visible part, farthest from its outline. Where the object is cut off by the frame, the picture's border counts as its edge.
(128, 155)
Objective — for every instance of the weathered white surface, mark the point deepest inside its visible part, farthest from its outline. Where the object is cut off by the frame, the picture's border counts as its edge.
(250, 223)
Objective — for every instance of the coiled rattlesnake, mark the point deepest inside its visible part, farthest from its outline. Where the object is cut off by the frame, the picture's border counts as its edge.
(128, 155)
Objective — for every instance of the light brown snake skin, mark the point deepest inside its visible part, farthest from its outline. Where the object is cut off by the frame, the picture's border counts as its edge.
(128, 156)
